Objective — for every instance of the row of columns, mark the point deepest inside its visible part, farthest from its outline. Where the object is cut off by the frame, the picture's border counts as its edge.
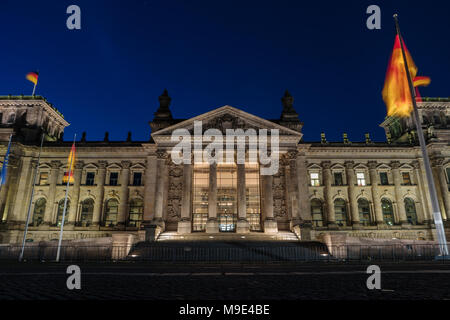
(418, 175)
(26, 174)
(156, 192)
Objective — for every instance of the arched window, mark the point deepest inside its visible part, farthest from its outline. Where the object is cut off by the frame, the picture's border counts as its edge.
(388, 211)
(111, 212)
(364, 211)
(317, 212)
(135, 214)
(340, 210)
(410, 208)
(425, 120)
(87, 212)
(61, 210)
(38, 213)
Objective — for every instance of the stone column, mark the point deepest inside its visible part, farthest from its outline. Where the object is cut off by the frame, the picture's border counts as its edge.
(303, 190)
(54, 172)
(98, 206)
(242, 224)
(375, 194)
(185, 224)
(71, 219)
(327, 181)
(150, 189)
(123, 193)
(3, 194)
(162, 156)
(441, 186)
(293, 188)
(420, 193)
(304, 203)
(270, 224)
(24, 185)
(351, 181)
(212, 225)
(395, 165)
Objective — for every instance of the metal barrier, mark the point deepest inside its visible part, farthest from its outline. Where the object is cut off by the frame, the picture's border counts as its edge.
(226, 252)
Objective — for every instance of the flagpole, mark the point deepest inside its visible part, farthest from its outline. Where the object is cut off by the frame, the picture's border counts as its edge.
(431, 186)
(34, 89)
(65, 204)
(31, 201)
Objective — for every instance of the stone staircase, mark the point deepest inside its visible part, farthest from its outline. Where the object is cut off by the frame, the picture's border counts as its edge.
(253, 236)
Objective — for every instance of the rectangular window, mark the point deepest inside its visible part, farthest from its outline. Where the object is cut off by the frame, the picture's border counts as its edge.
(338, 181)
(361, 179)
(253, 196)
(90, 176)
(200, 197)
(384, 178)
(315, 180)
(137, 178)
(113, 177)
(43, 178)
(406, 178)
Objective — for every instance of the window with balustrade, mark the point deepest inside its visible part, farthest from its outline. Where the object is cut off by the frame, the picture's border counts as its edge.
(340, 211)
(87, 212)
(410, 208)
(111, 212)
(60, 213)
(364, 211)
(135, 213)
(317, 213)
(388, 211)
(38, 212)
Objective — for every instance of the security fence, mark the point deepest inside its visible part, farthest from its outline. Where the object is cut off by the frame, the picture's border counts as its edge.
(227, 253)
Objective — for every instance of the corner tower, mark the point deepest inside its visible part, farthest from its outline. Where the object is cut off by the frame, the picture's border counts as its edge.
(26, 117)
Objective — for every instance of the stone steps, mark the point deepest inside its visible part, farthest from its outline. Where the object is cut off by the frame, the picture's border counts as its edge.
(256, 236)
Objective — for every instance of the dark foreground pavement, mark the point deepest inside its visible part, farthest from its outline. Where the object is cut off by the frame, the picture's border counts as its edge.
(136, 281)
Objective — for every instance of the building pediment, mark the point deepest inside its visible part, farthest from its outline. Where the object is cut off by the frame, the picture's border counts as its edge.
(225, 118)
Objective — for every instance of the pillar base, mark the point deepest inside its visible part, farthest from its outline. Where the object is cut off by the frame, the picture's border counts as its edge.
(212, 226)
(242, 226)
(270, 226)
(405, 225)
(184, 227)
(357, 226)
(381, 225)
(332, 226)
(294, 222)
(160, 223)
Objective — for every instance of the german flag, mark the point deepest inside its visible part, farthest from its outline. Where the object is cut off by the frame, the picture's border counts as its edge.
(71, 165)
(33, 77)
(396, 94)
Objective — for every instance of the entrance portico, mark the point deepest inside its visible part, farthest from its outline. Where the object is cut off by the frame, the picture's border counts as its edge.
(225, 196)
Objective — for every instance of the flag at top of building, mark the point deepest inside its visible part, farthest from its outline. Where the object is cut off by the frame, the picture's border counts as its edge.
(70, 166)
(396, 94)
(5, 164)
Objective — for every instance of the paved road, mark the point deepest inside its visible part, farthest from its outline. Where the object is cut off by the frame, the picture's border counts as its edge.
(133, 281)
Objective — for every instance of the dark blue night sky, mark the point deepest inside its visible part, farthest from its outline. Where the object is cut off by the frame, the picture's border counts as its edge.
(108, 76)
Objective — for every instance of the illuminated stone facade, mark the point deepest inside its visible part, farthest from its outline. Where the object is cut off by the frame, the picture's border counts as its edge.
(361, 189)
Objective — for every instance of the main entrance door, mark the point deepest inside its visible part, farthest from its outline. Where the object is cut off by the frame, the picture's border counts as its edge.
(227, 210)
